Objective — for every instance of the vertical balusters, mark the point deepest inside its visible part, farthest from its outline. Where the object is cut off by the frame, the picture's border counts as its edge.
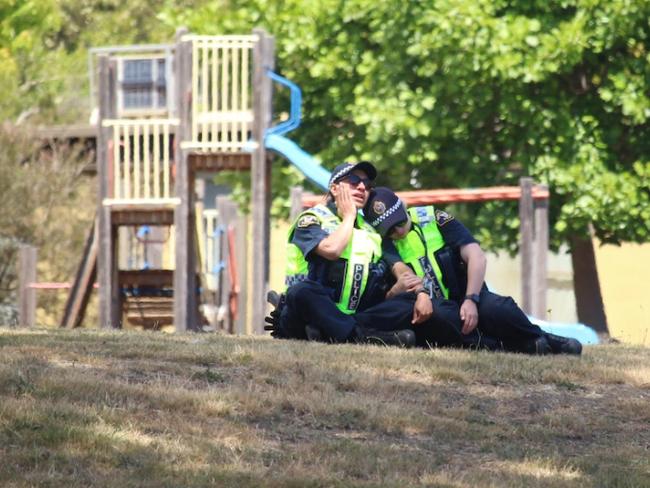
(166, 162)
(245, 82)
(205, 86)
(156, 160)
(195, 90)
(116, 161)
(234, 124)
(136, 161)
(214, 107)
(224, 94)
(127, 162)
(146, 154)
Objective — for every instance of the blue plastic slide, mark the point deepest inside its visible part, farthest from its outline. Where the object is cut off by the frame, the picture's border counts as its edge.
(302, 160)
(582, 332)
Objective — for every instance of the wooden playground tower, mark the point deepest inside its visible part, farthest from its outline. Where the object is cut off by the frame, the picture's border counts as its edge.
(147, 169)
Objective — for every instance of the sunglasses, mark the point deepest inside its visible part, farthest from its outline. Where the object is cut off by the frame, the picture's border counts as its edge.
(355, 180)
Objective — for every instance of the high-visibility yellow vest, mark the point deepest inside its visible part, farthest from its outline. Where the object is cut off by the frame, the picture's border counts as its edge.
(418, 249)
(363, 249)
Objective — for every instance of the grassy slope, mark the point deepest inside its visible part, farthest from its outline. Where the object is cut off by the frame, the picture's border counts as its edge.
(80, 408)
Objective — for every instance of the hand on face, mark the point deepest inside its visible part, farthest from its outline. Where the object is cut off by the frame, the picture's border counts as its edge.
(345, 204)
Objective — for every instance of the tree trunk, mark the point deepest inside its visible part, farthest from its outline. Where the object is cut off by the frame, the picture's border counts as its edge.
(589, 300)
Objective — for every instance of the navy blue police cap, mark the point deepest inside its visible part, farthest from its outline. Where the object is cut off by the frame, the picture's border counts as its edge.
(344, 169)
(384, 209)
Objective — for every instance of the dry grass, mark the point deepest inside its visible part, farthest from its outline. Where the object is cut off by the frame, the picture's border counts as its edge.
(82, 408)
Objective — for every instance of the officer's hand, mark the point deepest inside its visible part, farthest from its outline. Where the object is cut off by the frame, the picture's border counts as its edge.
(423, 309)
(469, 316)
(407, 282)
(344, 202)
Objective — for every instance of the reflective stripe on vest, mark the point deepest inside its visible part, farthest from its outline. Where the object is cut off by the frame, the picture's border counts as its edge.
(364, 248)
(422, 259)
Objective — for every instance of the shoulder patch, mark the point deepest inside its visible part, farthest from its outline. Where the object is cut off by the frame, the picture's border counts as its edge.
(443, 217)
(306, 221)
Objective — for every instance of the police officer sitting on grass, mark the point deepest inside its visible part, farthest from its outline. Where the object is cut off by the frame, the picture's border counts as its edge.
(336, 281)
(451, 266)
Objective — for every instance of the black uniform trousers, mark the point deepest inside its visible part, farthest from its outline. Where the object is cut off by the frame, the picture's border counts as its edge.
(310, 303)
(501, 324)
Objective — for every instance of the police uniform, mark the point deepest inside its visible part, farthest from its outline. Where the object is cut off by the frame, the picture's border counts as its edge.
(432, 250)
(338, 296)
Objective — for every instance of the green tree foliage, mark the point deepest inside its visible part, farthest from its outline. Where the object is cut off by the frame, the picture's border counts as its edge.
(457, 93)
(39, 192)
(44, 47)
(447, 93)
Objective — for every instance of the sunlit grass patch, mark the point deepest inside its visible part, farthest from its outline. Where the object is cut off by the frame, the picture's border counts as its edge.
(94, 408)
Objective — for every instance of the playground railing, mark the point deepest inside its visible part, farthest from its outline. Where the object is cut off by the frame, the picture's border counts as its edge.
(141, 160)
(222, 106)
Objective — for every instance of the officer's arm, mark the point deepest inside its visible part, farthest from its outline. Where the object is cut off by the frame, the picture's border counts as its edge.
(476, 262)
(334, 244)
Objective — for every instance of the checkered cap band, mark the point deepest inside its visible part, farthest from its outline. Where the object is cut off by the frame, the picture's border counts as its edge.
(339, 174)
(387, 213)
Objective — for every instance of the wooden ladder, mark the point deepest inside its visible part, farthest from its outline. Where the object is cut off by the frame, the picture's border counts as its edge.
(75, 306)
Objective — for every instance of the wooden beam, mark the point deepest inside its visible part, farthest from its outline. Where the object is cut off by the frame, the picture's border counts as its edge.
(227, 211)
(452, 195)
(109, 305)
(214, 162)
(296, 202)
(75, 307)
(540, 259)
(27, 256)
(263, 55)
(185, 294)
(526, 215)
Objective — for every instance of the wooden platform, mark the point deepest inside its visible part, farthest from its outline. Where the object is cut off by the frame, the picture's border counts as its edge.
(155, 278)
(141, 212)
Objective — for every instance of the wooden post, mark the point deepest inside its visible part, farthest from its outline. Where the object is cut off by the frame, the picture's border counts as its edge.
(185, 296)
(540, 258)
(227, 210)
(262, 94)
(296, 203)
(26, 294)
(107, 269)
(526, 242)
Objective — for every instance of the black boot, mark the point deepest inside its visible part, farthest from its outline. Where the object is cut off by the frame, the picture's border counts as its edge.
(538, 346)
(401, 338)
(563, 345)
(273, 319)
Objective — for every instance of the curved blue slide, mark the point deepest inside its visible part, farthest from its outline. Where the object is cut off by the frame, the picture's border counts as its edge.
(302, 160)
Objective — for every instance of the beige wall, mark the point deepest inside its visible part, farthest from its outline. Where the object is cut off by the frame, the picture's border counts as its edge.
(504, 277)
(623, 272)
(279, 231)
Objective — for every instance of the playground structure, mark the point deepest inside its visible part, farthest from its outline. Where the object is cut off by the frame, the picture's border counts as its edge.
(212, 112)
(207, 98)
